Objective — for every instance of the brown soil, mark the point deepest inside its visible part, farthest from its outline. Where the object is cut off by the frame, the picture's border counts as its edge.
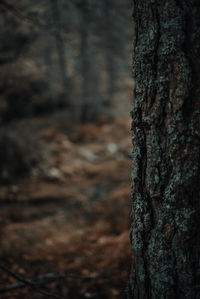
(71, 215)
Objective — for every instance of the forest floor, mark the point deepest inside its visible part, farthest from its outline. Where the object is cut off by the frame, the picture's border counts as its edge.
(70, 216)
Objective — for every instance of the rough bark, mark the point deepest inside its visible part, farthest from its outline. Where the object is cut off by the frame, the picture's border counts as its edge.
(166, 157)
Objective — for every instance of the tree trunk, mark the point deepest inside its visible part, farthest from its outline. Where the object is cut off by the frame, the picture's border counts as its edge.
(166, 157)
(60, 44)
(85, 61)
(91, 99)
(110, 45)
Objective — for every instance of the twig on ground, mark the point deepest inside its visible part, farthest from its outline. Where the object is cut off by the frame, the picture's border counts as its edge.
(29, 283)
(40, 280)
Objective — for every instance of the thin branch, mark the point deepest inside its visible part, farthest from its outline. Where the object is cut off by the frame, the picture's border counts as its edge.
(40, 280)
(29, 283)
(17, 13)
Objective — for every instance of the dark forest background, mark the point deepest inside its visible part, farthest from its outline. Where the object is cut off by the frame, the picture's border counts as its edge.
(65, 150)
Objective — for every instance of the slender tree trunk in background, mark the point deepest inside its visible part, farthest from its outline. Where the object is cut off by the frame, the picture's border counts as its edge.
(110, 63)
(49, 70)
(60, 48)
(166, 157)
(85, 63)
(91, 98)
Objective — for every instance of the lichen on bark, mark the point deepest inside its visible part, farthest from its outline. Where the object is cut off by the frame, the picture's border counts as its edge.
(166, 157)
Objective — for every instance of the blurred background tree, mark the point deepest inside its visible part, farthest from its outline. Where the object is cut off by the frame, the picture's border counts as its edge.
(70, 53)
(67, 56)
(65, 96)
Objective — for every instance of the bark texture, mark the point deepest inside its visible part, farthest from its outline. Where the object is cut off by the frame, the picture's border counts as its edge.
(166, 156)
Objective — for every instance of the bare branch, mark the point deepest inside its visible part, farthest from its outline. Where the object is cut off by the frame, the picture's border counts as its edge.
(23, 17)
(29, 283)
(40, 280)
